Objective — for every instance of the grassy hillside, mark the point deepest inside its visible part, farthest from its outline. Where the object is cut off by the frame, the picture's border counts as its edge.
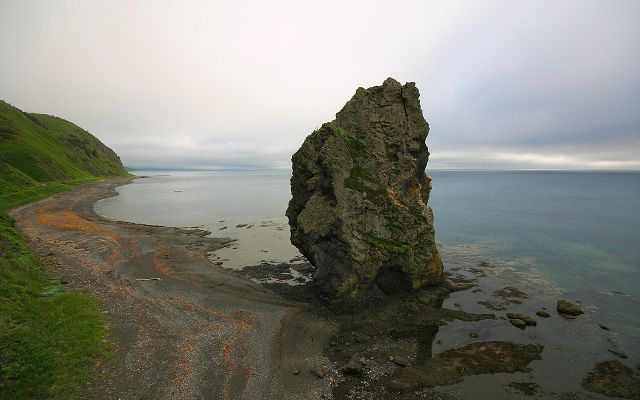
(49, 338)
(39, 148)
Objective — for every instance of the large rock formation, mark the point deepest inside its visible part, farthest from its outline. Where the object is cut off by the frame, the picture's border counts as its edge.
(359, 207)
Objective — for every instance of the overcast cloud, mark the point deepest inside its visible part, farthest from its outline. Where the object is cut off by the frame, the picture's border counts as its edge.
(504, 84)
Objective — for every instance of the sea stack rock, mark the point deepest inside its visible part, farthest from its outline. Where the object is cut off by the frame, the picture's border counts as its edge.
(359, 198)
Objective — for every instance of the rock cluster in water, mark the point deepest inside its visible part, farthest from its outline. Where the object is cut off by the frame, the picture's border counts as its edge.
(359, 198)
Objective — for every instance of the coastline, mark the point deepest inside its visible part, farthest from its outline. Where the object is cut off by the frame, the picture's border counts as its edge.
(199, 331)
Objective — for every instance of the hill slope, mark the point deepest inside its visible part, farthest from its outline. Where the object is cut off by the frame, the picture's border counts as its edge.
(37, 148)
(50, 338)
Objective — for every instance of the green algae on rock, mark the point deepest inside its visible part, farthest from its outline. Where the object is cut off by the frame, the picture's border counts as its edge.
(359, 198)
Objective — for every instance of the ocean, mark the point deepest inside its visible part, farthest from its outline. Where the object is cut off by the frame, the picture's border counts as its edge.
(573, 235)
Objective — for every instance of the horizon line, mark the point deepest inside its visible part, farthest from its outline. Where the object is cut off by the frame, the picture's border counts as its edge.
(193, 169)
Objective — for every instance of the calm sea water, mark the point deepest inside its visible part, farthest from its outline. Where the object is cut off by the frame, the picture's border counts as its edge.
(581, 229)
(575, 233)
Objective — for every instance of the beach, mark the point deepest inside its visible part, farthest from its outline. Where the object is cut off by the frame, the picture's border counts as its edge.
(183, 328)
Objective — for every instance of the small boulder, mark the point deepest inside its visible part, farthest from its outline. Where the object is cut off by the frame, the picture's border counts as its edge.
(543, 314)
(528, 319)
(566, 308)
(518, 323)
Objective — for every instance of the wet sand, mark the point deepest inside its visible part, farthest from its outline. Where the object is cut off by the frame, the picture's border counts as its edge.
(200, 331)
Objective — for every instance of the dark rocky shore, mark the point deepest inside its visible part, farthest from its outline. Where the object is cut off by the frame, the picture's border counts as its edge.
(395, 350)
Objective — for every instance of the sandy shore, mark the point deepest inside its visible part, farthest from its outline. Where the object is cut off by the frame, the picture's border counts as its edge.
(199, 331)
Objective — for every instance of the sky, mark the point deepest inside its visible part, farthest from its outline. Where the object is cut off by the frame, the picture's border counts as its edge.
(239, 84)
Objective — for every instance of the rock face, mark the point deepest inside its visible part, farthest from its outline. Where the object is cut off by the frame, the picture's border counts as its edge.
(359, 198)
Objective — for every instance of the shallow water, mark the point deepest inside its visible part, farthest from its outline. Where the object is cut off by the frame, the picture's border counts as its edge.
(218, 201)
(572, 235)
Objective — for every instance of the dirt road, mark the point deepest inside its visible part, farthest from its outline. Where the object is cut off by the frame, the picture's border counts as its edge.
(198, 332)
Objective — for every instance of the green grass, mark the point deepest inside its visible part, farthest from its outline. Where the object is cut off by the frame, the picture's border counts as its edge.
(50, 339)
(28, 194)
(385, 244)
(355, 146)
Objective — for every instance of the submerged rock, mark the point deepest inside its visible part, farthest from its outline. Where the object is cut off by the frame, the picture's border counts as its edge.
(619, 353)
(518, 323)
(528, 319)
(543, 314)
(359, 198)
(566, 308)
(526, 388)
(477, 358)
(612, 378)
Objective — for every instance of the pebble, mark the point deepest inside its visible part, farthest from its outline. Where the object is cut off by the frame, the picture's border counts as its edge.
(360, 338)
(474, 334)
(543, 314)
(352, 367)
(319, 371)
(401, 361)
